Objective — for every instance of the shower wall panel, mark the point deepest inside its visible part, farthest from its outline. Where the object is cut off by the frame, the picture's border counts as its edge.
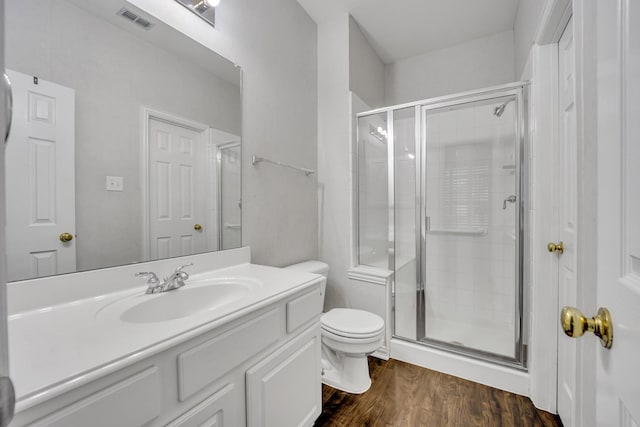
(373, 199)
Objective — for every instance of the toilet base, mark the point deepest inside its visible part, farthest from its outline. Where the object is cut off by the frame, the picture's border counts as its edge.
(346, 373)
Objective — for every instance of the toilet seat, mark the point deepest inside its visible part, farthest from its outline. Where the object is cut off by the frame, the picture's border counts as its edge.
(350, 336)
(352, 324)
(351, 342)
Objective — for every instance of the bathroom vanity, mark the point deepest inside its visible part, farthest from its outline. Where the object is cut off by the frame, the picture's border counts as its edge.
(239, 344)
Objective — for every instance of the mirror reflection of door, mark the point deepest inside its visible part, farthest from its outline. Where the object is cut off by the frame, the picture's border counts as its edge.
(178, 171)
(229, 184)
(40, 173)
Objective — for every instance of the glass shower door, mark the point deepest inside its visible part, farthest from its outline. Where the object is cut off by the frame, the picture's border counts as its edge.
(470, 254)
(229, 196)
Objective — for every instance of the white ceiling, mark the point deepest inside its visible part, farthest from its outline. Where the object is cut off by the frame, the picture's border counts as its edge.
(399, 29)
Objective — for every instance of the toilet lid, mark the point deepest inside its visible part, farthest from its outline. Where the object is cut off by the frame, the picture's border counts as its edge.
(349, 322)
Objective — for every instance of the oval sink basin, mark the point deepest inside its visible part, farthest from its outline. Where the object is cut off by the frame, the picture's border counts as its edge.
(183, 302)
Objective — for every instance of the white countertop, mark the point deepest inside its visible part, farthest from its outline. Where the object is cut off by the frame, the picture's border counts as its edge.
(55, 349)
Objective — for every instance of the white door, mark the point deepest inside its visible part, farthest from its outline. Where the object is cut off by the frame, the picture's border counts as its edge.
(40, 179)
(567, 274)
(618, 172)
(177, 173)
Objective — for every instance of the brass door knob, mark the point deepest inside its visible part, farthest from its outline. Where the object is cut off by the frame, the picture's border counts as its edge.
(197, 227)
(575, 324)
(553, 247)
(66, 237)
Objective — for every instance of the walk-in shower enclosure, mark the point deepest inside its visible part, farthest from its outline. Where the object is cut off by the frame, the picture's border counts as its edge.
(441, 192)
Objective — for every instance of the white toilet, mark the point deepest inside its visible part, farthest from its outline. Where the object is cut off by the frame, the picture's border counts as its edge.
(348, 336)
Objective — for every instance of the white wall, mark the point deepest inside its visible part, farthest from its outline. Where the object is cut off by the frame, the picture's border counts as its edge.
(366, 69)
(113, 73)
(525, 30)
(334, 156)
(275, 44)
(480, 63)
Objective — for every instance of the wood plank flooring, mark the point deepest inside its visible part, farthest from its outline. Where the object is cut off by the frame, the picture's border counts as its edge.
(407, 395)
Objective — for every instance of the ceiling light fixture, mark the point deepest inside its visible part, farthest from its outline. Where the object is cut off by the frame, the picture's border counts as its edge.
(205, 9)
(379, 133)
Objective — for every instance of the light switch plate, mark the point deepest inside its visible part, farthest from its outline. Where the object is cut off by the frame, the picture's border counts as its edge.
(115, 183)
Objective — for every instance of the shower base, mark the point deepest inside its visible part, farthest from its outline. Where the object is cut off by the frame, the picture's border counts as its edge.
(497, 339)
(472, 369)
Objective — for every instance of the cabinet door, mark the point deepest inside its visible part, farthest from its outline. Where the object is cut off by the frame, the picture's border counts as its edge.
(284, 389)
(219, 410)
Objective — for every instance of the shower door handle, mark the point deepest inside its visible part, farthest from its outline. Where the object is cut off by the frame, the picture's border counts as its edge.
(511, 199)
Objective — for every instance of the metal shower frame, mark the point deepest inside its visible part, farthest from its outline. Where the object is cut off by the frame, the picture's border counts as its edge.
(520, 90)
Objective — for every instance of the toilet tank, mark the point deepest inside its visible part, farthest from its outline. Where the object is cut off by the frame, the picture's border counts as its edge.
(315, 267)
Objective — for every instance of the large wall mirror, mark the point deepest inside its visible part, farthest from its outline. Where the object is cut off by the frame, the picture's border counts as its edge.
(125, 144)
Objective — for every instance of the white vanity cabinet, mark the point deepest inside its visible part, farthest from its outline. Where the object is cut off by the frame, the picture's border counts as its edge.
(260, 369)
(283, 389)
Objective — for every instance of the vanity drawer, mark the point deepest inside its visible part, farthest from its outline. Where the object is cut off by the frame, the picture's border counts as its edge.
(303, 309)
(205, 363)
(133, 401)
(220, 409)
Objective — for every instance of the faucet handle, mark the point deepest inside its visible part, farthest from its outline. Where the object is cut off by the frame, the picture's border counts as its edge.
(176, 280)
(182, 275)
(179, 269)
(152, 278)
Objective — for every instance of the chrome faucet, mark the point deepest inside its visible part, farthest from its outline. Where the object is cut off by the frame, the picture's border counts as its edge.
(175, 281)
(153, 281)
(177, 278)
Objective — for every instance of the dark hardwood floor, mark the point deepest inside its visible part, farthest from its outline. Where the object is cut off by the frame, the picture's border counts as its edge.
(407, 395)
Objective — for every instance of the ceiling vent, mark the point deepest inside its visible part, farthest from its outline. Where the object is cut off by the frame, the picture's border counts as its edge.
(135, 18)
